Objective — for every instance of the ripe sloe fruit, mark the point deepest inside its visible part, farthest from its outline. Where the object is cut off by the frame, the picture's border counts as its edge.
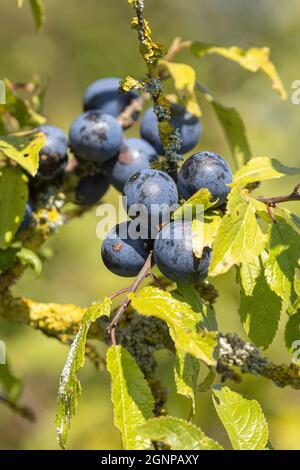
(135, 155)
(154, 190)
(205, 170)
(53, 155)
(188, 125)
(123, 255)
(96, 136)
(173, 254)
(91, 189)
(105, 95)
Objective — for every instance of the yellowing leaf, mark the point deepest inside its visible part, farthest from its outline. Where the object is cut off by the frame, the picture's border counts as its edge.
(239, 239)
(184, 77)
(252, 59)
(182, 320)
(13, 199)
(24, 149)
(243, 419)
(262, 169)
(131, 396)
(177, 434)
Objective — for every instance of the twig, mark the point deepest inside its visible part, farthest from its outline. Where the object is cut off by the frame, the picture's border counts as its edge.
(119, 292)
(176, 46)
(293, 196)
(128, 118)
(157, 281)
(145, 271)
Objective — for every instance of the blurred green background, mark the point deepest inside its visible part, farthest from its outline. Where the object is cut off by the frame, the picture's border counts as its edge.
(85, 41)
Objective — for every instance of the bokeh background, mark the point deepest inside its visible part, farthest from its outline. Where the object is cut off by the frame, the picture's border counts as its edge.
(83, 42)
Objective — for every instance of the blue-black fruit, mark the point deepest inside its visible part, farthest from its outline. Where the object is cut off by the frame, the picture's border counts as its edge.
(135, 155)
(154, 192)
(105, 95)
(53, 157)
(122, 254)
(91, 189)
(205, 170)
(96, 136)
(173, 254)
(188, 125)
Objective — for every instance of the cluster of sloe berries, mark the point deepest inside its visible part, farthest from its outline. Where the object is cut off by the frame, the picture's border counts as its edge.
(103, 156)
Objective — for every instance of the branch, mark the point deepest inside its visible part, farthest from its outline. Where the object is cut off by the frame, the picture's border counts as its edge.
(54, 320)
(152, 53)
(247, 358)
(273, 201)
(151, 334)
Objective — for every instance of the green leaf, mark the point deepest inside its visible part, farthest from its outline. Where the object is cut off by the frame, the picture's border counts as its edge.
(262, 169)
(243, 419)
(186, 373)
(260, 307)
(283, 260)
(239, 239)
(249, 273)
(24, 149)
(38, 11)
(24, 112)
(13, 199)
(29, 258)
(253, 59)
(195, 205)
(205, 230)
(234, 130)
(292, 337)
(131, 396)
(184, 77)
(177, 434)
(181, 319)
(69, 385)
(206, 384)
(192, 297)
(10, 383)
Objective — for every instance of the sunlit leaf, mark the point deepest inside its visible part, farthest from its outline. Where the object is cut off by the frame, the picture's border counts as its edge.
(69, 385)
(13, 199)
(239, 239)
(253, 59)
(186, 371)
(262, 169)
(184, 77)
(181, 319)
(24, 149)
(243, 419)
(131, 396)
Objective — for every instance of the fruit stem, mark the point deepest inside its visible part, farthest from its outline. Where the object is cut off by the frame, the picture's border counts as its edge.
(144, 272)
